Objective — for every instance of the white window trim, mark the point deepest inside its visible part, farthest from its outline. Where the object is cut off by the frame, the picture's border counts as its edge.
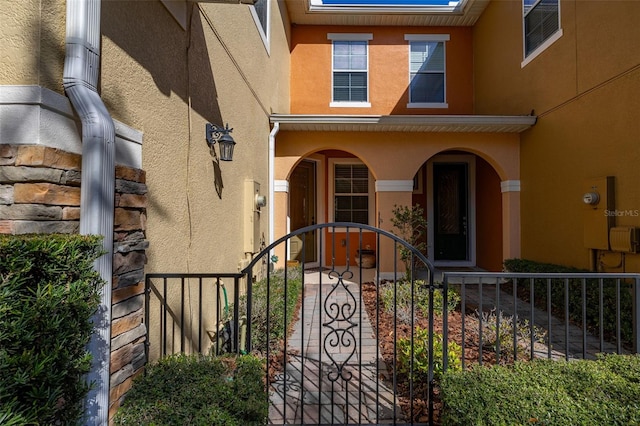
(349, 37)
(548, 42)
(332, 194)
(538, 50)
(349, 104)
(428, 37)
(266, 38)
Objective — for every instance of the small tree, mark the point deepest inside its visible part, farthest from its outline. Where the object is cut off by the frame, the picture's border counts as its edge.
(411, 226)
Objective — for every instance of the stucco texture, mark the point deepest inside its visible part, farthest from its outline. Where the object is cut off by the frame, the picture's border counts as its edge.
(32, 49)
(168, 83)
(585, 90)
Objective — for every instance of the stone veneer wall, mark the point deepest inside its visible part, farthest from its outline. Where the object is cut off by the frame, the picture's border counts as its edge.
(40, 193)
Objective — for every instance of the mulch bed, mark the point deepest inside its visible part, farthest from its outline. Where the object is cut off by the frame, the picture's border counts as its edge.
(387, 339)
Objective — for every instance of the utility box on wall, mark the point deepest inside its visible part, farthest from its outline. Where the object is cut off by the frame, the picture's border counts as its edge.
(253, 201)
(599, 211)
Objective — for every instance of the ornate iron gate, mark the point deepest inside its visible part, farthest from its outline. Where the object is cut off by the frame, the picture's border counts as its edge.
(321, 328)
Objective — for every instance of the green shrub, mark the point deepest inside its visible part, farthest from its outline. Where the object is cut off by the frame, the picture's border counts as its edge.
(274, 310)
(421, 355)
(602, 392)
(501, 333)
(575, 297)
(48, 293)
(400, 292)
(198, 390)
(412, 227)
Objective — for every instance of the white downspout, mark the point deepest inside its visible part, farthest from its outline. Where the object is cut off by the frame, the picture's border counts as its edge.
(80, 80)
(272, 192)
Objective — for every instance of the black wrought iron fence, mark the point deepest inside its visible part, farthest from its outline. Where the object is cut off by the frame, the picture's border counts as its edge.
(510, 316)
(354, 340)
(194, 313)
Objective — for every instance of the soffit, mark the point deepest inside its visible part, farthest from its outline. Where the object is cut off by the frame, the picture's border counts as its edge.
(302, 13)
(404, 123)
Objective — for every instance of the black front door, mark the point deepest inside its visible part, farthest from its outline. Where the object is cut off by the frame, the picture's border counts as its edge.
(302, 210)
(450, 206)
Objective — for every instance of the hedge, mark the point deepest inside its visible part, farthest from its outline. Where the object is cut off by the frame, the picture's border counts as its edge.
(48, 293)
(545, 392)
(575, 297)
(198, 390)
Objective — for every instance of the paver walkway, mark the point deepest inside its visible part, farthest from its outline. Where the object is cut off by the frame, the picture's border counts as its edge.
(332, 376)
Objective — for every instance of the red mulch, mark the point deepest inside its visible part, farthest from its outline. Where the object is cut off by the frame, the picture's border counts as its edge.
(387, 340)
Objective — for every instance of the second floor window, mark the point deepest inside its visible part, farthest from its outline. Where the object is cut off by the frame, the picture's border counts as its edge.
(427, 76)
(350, 69)
(541, 23)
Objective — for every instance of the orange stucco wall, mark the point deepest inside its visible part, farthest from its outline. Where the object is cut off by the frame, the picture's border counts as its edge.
(585, 90)
(497, 159)
(311, 51)
(488, 217)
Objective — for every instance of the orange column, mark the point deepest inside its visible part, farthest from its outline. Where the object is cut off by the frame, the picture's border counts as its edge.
(510, 218)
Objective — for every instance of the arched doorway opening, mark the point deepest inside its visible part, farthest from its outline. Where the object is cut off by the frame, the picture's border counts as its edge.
(460, 193)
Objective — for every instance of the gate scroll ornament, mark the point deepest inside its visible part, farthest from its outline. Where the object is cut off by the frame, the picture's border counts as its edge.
(340, 334)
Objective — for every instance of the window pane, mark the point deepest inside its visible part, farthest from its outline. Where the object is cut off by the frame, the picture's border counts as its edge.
(340, 62)
(343, 186)
(360, 202)
(341, 47)
(427, 88)
(358, 63)
(342, 216)
(358, 94)
(360, 186)
(358, 47)
(360, 217)
(341, 94)
(261, 11)
(343, 203)
(343, 170)
(435, 60)
(360, 171)
(341, 79)
(359, 79)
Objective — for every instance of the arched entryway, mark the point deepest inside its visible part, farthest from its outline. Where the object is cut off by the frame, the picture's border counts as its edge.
(460, 194)
(329, 186)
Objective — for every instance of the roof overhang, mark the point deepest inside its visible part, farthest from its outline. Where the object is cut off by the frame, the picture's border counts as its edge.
(456, 13)
(404, 123)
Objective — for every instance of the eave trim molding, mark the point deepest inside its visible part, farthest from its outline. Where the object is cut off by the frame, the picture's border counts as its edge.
(405, 123)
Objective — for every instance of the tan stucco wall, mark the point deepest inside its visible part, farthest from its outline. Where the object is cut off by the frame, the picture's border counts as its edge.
(585, 89)
(168, 83)
(32, 48)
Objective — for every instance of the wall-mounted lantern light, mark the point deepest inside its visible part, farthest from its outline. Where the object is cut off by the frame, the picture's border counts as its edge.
(215, 133)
